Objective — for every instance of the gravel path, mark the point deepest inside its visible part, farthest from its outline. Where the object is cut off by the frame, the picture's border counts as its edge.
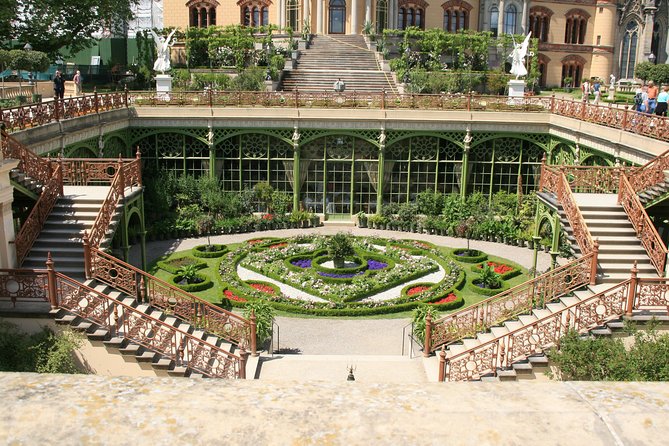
(338, 336)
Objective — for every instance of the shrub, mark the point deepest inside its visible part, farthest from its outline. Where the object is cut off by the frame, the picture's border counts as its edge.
(418, 320)
(468, 255)
(174, 265)
(203, 284)
(209, 251)
(339, 247)
(264, 314)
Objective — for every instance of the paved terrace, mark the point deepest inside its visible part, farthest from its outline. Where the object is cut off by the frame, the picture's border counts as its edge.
(94, 410)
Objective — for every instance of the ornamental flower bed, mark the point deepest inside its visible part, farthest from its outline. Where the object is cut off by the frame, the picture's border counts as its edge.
(262, 288)
(417, 290)
(499, 268)
(278, 245)
(445, 300)
(302, 263)
(233, 297)
(375, 265)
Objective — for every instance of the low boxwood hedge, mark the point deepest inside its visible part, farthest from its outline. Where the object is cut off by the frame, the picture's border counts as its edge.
(506, 276)
(174, 265)
(458, 254)
(209, 251)
(485, 291)
(193, 287)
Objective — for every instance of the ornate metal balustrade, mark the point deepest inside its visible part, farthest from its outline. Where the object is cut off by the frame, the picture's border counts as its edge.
(32, 165)
(555, 181)
(535, 293)
(145, 287)
(501, 352)
(649, 174)
(594, 179)
(33, 225)
(644, 227)
(121, 320)
(18, 285)
(32, 115)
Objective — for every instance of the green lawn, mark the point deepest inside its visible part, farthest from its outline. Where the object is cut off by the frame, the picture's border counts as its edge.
(214, 293)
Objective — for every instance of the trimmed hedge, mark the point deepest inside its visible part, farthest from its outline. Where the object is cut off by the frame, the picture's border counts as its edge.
(486, 291)
(192, 287)
(170, 267)
(506, 276)
(468, 259)
(317, 265)
(457, 303)
(202, 251)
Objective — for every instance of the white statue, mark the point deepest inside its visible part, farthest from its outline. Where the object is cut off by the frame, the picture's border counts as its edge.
(518, 57)
(162, 63)
(612, 80)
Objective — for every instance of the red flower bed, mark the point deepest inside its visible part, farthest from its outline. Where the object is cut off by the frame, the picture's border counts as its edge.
(499, 268)
(444, 300)
(255, 241)
(278, 245)
(262, 288)
(417, 289)
(234, 297)
(268, 217)
(423, 245)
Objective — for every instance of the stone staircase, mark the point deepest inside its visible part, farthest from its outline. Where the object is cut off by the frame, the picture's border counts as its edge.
(29, 186)
(343, 57)
(116, 343)
(62, 234)
(656, 193)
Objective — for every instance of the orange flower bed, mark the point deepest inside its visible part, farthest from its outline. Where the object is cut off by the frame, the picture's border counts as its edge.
(417, 289)
(231, 296)
(262, 288)
(444, 300)
(499, 268)
(278, 245)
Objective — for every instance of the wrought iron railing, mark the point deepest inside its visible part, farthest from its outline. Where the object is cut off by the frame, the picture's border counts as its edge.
(555, 181)
(183, 305)
(33, 115)
(643, 225)
(25, 286)
(534, 293)
(594, 179)
(31, 228)
(32, 165)
(649, 174)
(503, 351)
(127, 174)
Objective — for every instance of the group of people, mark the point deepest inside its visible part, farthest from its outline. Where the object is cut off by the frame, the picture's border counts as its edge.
(59, 84)
(651, 99)
(594, 89)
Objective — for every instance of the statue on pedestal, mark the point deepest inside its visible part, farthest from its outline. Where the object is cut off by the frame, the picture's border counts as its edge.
(162, 63)
(517, 57)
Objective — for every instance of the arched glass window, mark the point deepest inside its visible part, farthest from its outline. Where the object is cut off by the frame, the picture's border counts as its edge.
(400, 18)
(293, 14)
(411, 13)
(572, 67)
(201, 13)
(510, 16)
(494, 18)
(254, 12)
(628, 50)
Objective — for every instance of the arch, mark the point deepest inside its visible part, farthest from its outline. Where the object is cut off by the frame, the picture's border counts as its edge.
(113, 146)
(411, 13)
(456, 15)
(572, 67)
(254, 13)
(494, 20)
(628, 49)
(202, 13)
(81, 150)
(540, 19)
(575, 26)
(510, 19)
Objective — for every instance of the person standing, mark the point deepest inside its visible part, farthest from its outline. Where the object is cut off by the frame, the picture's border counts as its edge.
(652, 96)
(596, 88)
(585, 90)
(77, 83)
(58, 86)
(662, 98)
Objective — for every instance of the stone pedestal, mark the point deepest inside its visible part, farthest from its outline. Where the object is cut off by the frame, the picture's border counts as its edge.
(612, 93)
(163, 86)
(516, 91)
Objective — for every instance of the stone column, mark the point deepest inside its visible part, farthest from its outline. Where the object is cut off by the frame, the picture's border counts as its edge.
(524, 25)
(380, 171)
(368, 11)
(646, 39)
(307, 12)
(280, 16)
(296, 169)
(319, 17)
(500, 18)
(392, 14)
(464, 169)
(7, 235)
(354, 17)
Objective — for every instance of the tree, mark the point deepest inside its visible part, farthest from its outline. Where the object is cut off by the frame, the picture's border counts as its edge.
(49, 26)
(28, 61)
(7, 14)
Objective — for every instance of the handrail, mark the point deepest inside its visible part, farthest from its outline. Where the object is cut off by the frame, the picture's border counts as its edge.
(594, 179)
(138, 327)
(23, 285)
(545, 332)
(126, 175)
(534, 293)
(197, 312)
(90, 172)
(650, 174)
(32, 165)
(644, 227)
(555, 181)
(33, 225)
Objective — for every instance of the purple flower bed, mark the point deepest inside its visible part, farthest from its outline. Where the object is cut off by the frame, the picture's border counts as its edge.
(302, 263)
(339, 276)
(374, 265)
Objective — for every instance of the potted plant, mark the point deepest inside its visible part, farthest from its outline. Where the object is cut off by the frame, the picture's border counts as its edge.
(567, 82)
(362, 219)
